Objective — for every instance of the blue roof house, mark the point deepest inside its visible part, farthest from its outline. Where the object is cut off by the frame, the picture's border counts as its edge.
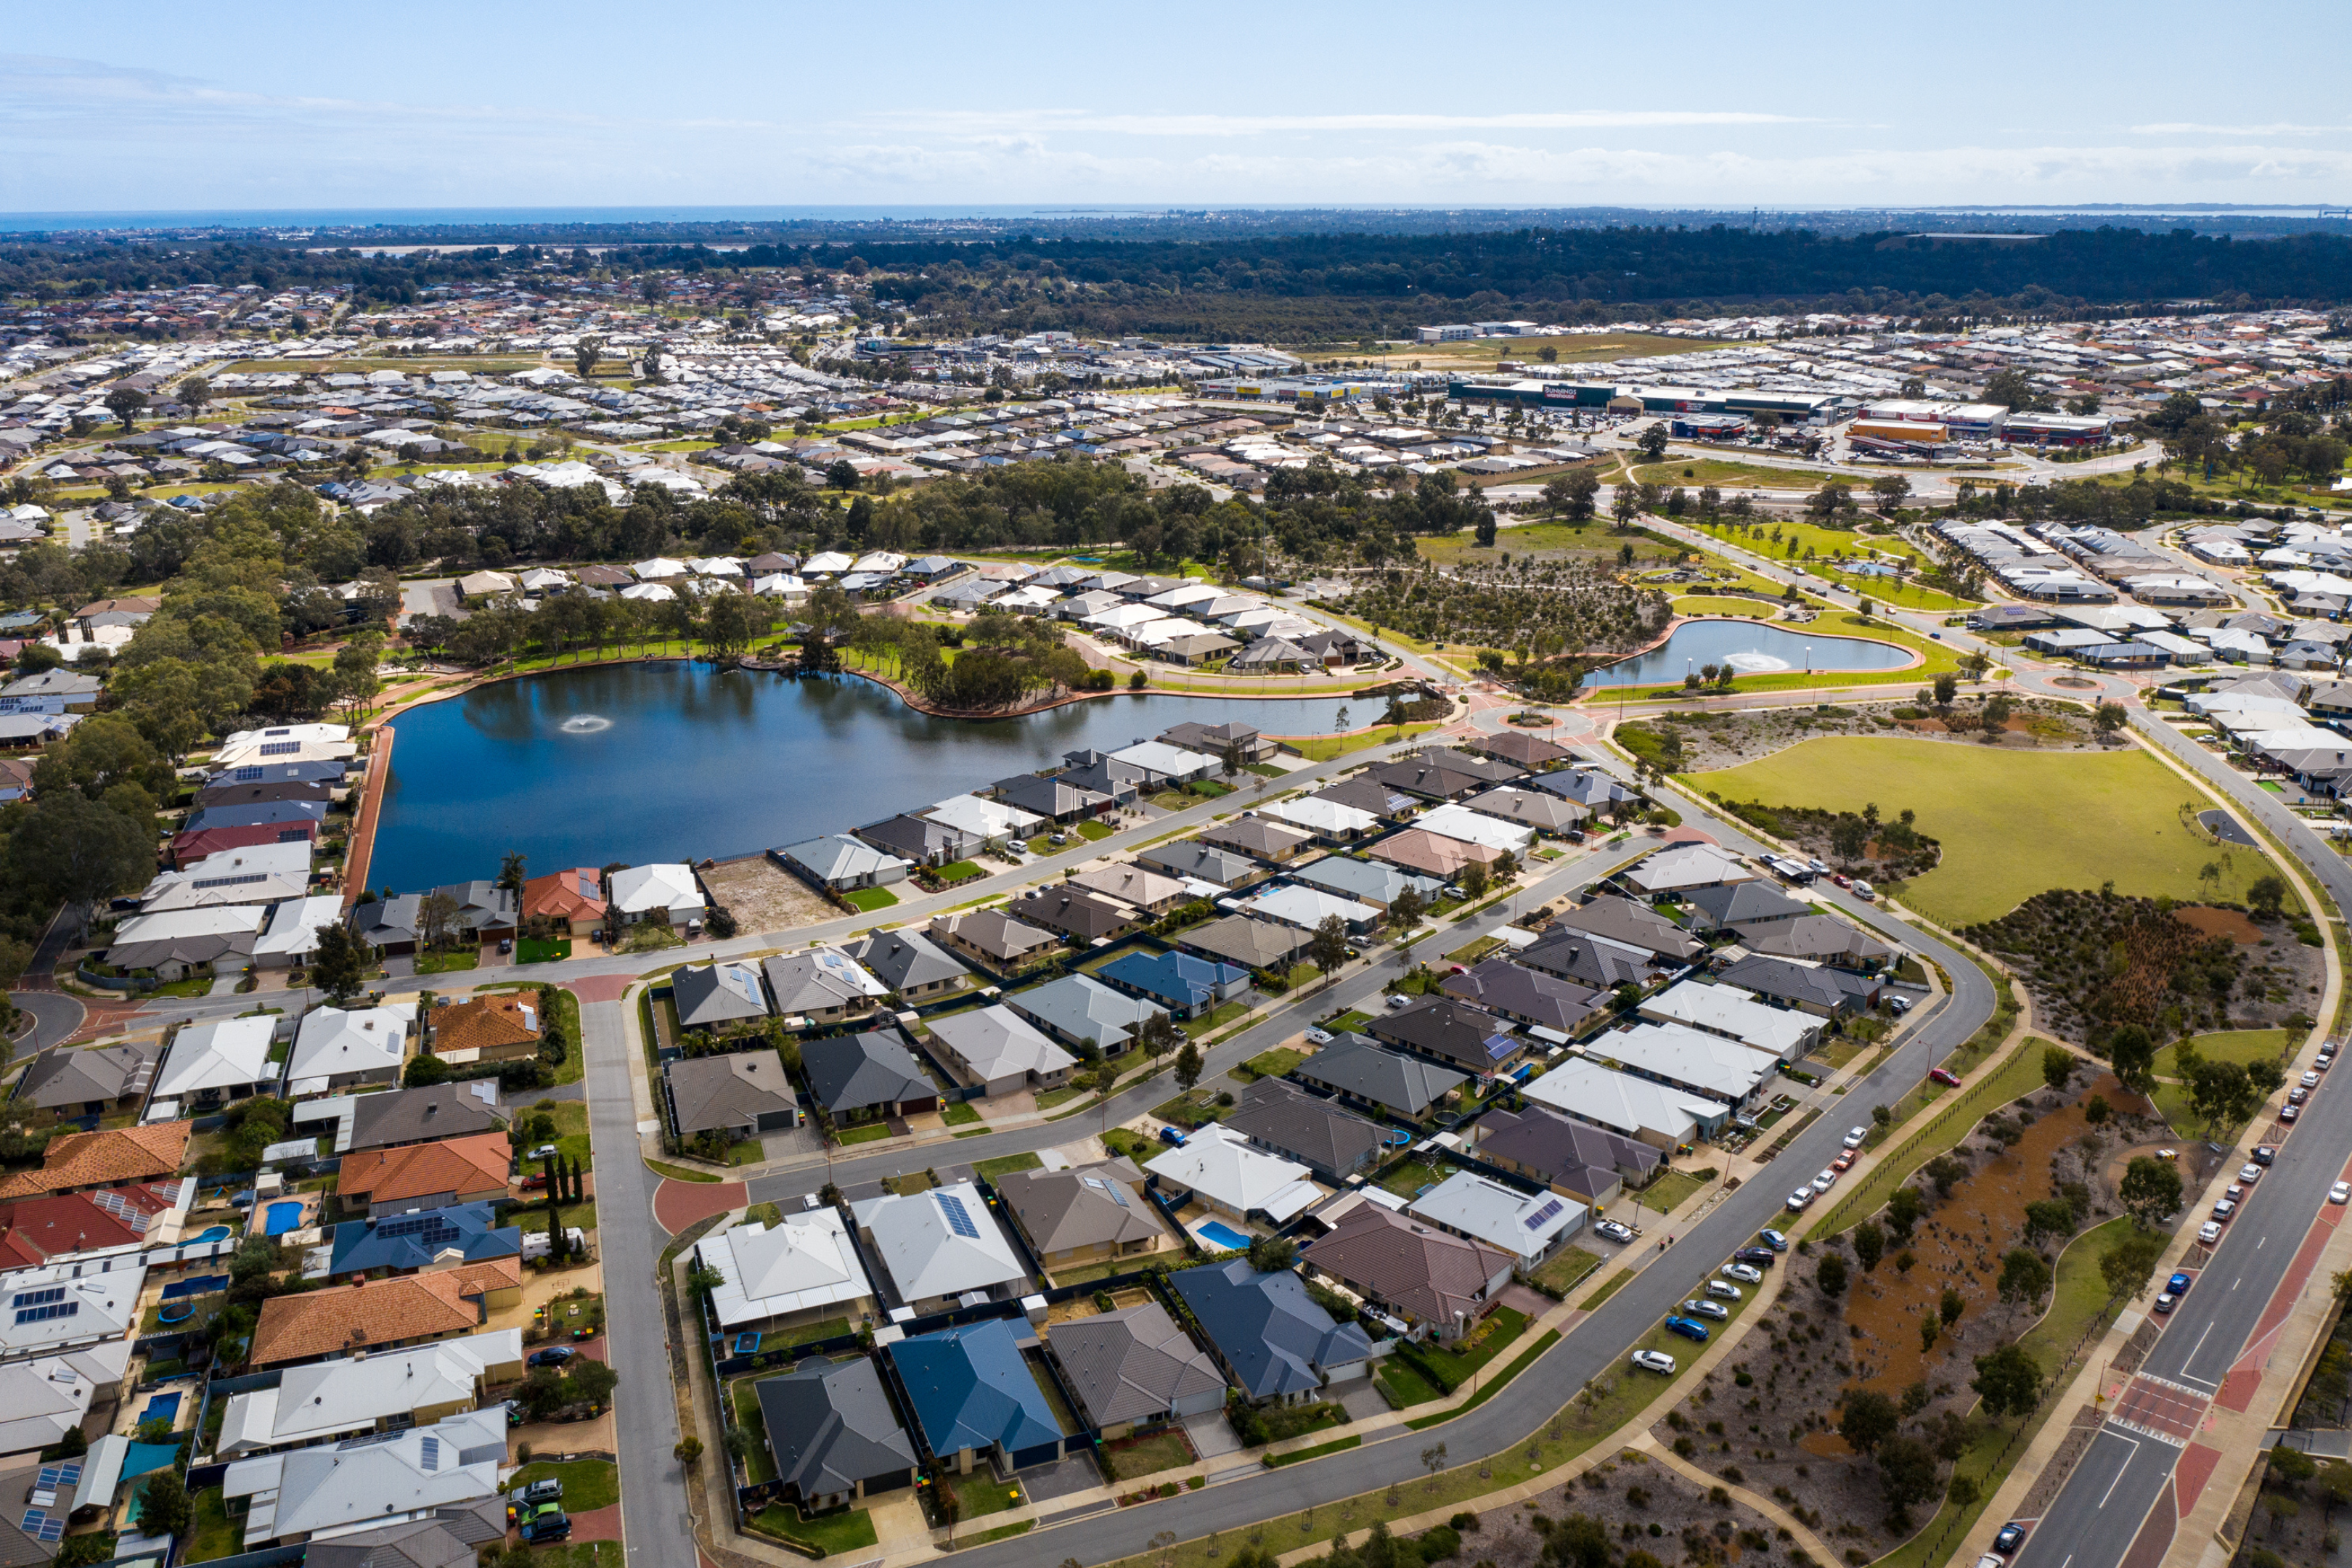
(974, 1393)
(1184, 983)
(462, 1233)
(1275, 1342)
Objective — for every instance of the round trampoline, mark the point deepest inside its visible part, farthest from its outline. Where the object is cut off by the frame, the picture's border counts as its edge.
(178, 1311)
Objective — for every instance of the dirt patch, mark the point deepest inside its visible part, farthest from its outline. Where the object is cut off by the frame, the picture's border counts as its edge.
(1640, 1501)
(762, 896)
(2235, 924)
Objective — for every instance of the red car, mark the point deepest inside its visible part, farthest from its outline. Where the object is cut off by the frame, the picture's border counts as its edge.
(1947, 1079)
(1841, 879)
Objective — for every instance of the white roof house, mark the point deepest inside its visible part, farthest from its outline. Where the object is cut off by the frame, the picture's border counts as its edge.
(941, 1244)
(1686, 866)
(1527, 1225)
(1657, 1114)
(1687, 1058)
(1736, 1015)
(654, 592)
(770, 1272)
(43, 1398)
(1124, 617)
(991, 820)
(1218, 1166)
(1325, 818)
(998, 1047)
(826, 564)
(350, 1394)
(642, 892)
(1469, 826)
(231, 1055)
(1293, 904)
(336, 1488)
(258, 874)
(1164, 760)
(290, 934)
(333, 1049)
(660, 566)
(54, 1312)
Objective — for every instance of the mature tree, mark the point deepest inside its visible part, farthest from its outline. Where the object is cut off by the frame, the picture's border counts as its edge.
(1327, 948)
(1158, 1035)
(1273, 1254)
(1869, 1244)
(1651, 442)
(124, 402)
(2047, 1218)
(436, 913)
(1574, 494)
(1474, 878)
(195, 391)
(80, 853)
(2150, 1190)
(2008, 1381)
(1831, 1274)
(1951, 1306)
(1625, 505)
(2265, 897)
(2109, 717)
(2024, 1276)
(1188, 1066)
(2015, 390)
(1906, 1475)
(1405, 910)
(1889, 490)
(586, 353)
(727, 625)
(1866, 1420)
(164, 1503)
(340, 965)
(2222, 1094)
(2057, 1067)
(2127, 1265)
(2131, 1052)
(511, 873)
(1903, 1208)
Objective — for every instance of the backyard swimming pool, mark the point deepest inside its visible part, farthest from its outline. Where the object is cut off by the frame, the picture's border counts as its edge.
(162, 1407)
(1220, 1235)
(212, 1233)
(281, 1218)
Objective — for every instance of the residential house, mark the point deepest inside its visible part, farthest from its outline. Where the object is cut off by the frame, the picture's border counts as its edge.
(62, 1307)
(1076, 1218)
(1438, 1285)
(1537, 809)
(996, 1049)
(1820, 939)
(383, 1314)
(1521, 749)
(1735, 1015)
(428, 1176)
(1425, 779)
(976, 1396)
(486, 912)
(1132, 885)
(1475, 827)
(1527, 1227)
(329, 1488)
(1218, 1168)
(1694, 1061)
(1594, 962)
(1658, 1114)
(1588, 1164)
(177, 942)
(841, 864)
(833, 1432)
(740, 1094)
(44, 1398)
(451, 1236)
(499, 1027)
(1325, 821)
(666, 893)
(1136, 1369)
(993, 938)
(1560, 1009)
(1190, 858)
(914, 967)
(919, 840)
(940, 1248)
(1053, 799)
(1755, 905)
(572, 901)
(1259, 838)
(1813, 988)
(1285, 1119)
(111, 1156)
(1590, 788)
(821, 986)
(993, 822)
(1687, 867)
(801, 1270)
(1272, 1340)
(1368, 794)
(1215, 739)
(858, 1076)
(1080, 1010)
(208, 1063)
(401, 1117)
(1634, 925)
(1179, 984)
(1163, 764)
(449, 1537)
(1357, 1069)
(1084, 918)
(1450, 1031)
(1373, 882)
(89, 1081)
(1431, 854)
(713, 995)
(288, 938)
(337, 1047)
(390, 927)
(1307, 908)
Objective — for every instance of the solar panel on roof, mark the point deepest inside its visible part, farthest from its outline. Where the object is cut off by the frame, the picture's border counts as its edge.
(958, 1220)
(43, 1314)
(1535, 1221)
(429, 1453)
(280, 748)
(35, 1298)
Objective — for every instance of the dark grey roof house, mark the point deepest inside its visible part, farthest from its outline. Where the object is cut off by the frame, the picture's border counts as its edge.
(744, 1093)
(388, 925)
(1190, 857)
(710, 994)
(1360, 1072)
(1623, 920)
(1528, 996)
(908, 961)
(872, 1073)
(1330, 1141)
(920, 839)
(87, 1082)
(1741, 904)
(398, 1117)
(1136, 1368)
(483, 907)
(834, 1433)
(1573, 1158)
(1272, 1339)
(1810, 987)
(1055, 799)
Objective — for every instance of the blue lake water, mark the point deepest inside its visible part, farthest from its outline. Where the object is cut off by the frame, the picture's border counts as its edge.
(1752, 648)
(677, 762)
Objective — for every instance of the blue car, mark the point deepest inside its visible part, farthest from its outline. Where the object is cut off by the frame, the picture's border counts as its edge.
(1773, 1239)
(1690, 1329)
(2177, 1286)
(1170, 1136)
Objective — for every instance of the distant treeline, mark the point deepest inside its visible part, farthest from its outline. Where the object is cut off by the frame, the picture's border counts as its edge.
(1293, 287)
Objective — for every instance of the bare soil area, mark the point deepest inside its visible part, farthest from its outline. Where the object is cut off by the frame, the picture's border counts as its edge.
(764, 896)
(1641, 1503)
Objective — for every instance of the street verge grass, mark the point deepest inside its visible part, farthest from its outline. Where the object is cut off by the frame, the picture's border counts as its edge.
(1609, 1286)
(1275, 1461)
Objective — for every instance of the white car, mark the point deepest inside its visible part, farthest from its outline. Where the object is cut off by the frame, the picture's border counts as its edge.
(1800, 1197)
(2250, 1174)
(2323, 1060)
(2311, 1079)
(1715, 1310)
(1319, 1036)
(1865, 891)
(1613, 1231)
(2224, 1210)
(1743, 1273)
(2340, 1192)
(1723, 1291)
(1853, 1138)
(1658, 1362)
(2168, 1154)
(2209, 1232)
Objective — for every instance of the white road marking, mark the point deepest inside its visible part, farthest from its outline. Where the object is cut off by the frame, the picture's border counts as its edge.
(2198, 1346)
(2119, 1474)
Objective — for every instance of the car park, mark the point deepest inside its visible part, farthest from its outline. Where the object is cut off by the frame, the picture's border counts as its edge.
(1658, 1362)
(1715, 1310)
(2250, 1174)
(2012, 1537)
(1688, 1327)
(1614, 1230)
(2210, 1232)
(1761, 1257)
(2340, 1192)
(1743, 1273)
(1855, 1137)
(1724, 1291)
(2264, 1154)
(553, 1356)
(1773, 1239)
(1950, 1080)
(2224, 1210)
(1800, 1197)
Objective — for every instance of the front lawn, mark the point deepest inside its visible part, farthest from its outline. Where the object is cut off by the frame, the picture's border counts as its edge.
(1004, 1165)
(956, 871)
(542, 950)
(872, 1131)
(1566, 1269)
(1503, 1326)
(581, 1217)
(445, 963)
(1163, 1450)
(1669, 1191)
(843, 1530)
(865, 901)
(959, 1114)
(1094, 832)
(1225, 1012)
(983, 1493)
(1404, 1385)
(588, 1484)
(1270, 1064)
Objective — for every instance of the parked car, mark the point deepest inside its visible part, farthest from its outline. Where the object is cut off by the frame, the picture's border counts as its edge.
(1898, 1006)
(2290, 1112)
(1773, 1239)
(1845, 1162)
(1658, 1362)
(1743, 1273)
(2323, 1060)
(547, 1490)
(1865, 891)
(548, 1524)
(2210, 1232)
(1172, 1136)
(553, 1356)
(2297, 1095)
(1715, 1310)
(2249, 1175)
(1841, 879)
(2012, 1537)
(1817, 869)
(2264, 1154)
(2340, 1192)
(2178, 1285)
(2168, 1154)
(1613, 1230)
(1319, 1036)
(1853, 1138)
(2224, 1210)
(1800, 1198)
(535, 1182)
(1688, 1327)
(2311, 1079)
(1724, 1291)
(1761, 1257)
(1825, 1181)
(1950, 1080)
(545, 1151)
(2163, 1302)
(1399, 999)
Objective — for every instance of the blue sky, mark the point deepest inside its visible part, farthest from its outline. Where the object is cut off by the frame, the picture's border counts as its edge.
(147, 106)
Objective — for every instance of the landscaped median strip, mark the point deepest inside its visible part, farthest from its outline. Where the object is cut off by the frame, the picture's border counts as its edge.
(1275, 1461)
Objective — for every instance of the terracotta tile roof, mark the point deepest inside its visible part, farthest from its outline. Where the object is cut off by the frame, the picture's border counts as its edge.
(376, 1313)
(486, 1023)
(104, 1158)
(565, 895)
(33, 1229)
(459, 1166)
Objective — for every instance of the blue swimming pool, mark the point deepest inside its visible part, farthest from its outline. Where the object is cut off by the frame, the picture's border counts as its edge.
(212, 1233)
(162, 1407)
(1217, 1234)
(281, 1218)
(202, 1285)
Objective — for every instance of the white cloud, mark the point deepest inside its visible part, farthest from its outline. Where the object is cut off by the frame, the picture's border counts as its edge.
(1223, 125)
(2191, 127)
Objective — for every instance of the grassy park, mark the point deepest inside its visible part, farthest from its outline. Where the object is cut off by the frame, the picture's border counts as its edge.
(2012, 824)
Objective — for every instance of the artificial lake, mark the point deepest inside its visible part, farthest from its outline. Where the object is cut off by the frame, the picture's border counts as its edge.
(1752, 647)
